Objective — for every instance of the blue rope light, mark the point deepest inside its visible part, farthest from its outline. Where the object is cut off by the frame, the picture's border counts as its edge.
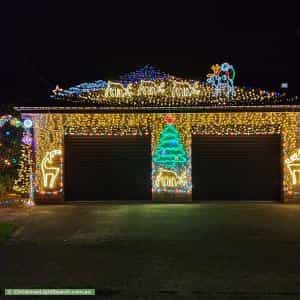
(145, 73)
(85, 87)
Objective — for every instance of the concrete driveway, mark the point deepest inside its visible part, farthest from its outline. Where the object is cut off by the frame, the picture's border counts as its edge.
(226, 250)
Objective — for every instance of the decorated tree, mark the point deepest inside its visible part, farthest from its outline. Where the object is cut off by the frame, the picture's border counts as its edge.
(170, 153)
(15, 152)
(10, 147)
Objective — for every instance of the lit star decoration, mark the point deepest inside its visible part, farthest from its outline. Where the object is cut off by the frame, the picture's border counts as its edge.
(57, 90)
(170, 119)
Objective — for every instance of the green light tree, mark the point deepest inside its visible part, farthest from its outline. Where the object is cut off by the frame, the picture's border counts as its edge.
(170, 152)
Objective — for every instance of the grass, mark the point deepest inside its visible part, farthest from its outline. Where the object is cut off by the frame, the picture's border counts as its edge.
(6, 230)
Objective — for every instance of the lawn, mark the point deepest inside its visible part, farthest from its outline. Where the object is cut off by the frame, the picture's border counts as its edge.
(248, 251)
(6, 230)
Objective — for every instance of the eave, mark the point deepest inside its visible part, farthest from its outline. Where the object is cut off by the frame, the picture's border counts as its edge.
(183, 109)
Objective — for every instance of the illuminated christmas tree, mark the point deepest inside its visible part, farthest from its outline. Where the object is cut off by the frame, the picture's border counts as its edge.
(10, 135)
(170, 152)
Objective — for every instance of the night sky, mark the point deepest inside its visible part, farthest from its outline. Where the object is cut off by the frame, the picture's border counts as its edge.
(45, 43)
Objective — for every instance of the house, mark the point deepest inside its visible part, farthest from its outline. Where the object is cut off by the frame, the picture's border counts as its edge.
(151, 136)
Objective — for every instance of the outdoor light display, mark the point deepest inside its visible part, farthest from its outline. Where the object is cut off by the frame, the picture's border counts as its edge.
(11, 120)
(24, 159)
(150, 87)
(8, 141)
(222, 79)
(170, 161)
(27, 138)
(22, 183)
(27, 123)
(57, 90)
(293, 164)
(50, 168)
(10, 132)
(170, 153)
(169, 134)
(147, 72)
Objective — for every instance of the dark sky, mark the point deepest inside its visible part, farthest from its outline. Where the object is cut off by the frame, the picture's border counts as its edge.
(44, 43)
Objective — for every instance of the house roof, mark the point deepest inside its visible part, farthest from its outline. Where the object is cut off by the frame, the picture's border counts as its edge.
(148, 89)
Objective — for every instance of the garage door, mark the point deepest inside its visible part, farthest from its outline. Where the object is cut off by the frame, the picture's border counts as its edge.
(236, 167)
(99, 168)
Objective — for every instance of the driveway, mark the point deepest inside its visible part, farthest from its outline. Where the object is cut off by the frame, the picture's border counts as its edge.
(166, 250)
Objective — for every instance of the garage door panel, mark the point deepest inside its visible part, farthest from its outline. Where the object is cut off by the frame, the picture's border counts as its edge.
(236, 167)
(107, 168)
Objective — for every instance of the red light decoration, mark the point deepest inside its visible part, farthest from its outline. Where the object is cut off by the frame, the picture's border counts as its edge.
(170, 119)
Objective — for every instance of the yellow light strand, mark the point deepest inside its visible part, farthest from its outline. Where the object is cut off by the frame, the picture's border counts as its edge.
(51, 128)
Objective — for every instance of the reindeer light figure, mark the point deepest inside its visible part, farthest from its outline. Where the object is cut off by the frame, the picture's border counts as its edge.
(117, 90)
(293, 165)
(150, 88)
(295, 173)
(181, 89)
(170, 179)
(49, 171)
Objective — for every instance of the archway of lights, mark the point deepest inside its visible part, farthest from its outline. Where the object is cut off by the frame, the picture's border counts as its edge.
(50, 130)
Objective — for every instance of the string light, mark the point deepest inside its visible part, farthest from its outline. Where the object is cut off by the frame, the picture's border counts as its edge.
(25, 160)
(150, 87)
(11, 120)
(171, 181)
(293, 164)
(22, 182)
(170, 161)
(27, 123)
(51, 128)
(147, 73)
(27, 138)
(49, 170)
(117, 90)
(222, 79)
(16, 202)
